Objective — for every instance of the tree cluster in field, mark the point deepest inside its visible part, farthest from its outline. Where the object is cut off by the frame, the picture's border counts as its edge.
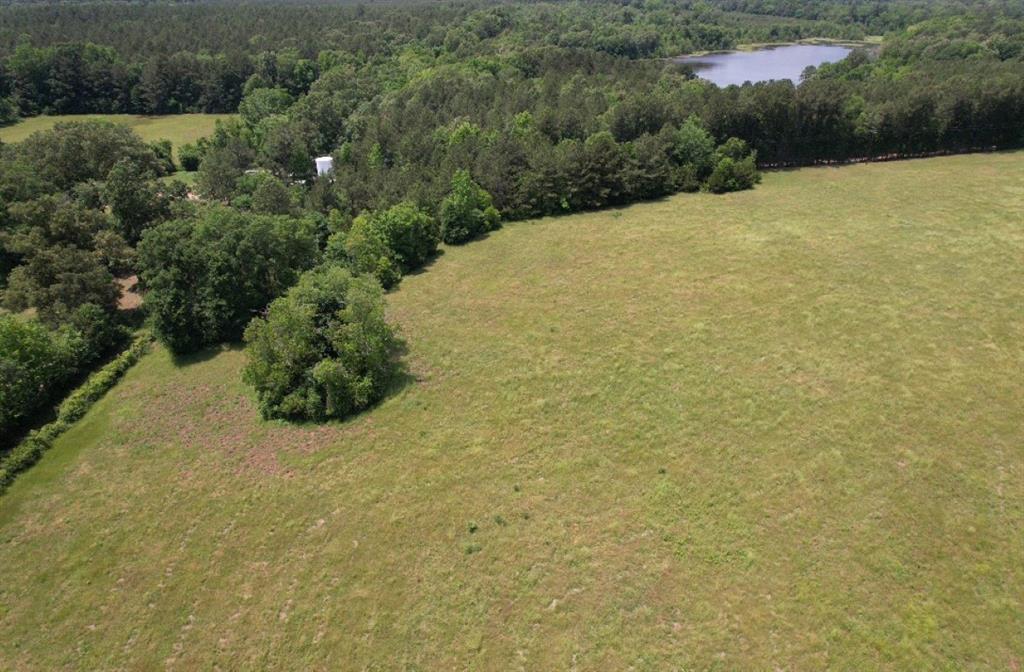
(324, 349)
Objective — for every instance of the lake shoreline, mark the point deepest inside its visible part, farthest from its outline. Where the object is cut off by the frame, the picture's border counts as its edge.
(871, 43)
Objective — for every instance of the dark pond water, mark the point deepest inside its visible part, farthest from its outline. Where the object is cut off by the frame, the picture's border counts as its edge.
(785, 62)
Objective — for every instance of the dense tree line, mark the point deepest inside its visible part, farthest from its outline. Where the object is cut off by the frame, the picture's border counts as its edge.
(77, 78)
(552, 130)
(167, 58)
(74, 202)
(658, 27)
(878, 17)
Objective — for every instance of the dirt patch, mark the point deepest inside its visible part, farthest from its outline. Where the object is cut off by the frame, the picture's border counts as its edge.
(130, 297)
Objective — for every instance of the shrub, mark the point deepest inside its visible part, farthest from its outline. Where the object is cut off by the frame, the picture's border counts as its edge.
(467, 211)
(365, 250)
(733, 148)
(190, 156)
(735, 168)
(79, 401)
(732, 175)
(687, 179)
(389, 243)
(99, 331)
(164, 153)
(324, 349)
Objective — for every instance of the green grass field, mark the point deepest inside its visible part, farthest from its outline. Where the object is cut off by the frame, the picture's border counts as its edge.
(778, 429)
(178, 128)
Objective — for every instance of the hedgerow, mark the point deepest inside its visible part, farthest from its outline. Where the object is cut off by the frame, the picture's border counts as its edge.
(28, 452)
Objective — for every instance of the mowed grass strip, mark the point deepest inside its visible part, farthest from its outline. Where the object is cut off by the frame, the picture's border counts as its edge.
(779, 429)
(178, 128)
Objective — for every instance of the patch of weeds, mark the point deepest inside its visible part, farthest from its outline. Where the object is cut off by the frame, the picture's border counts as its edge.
(471, 548)
(472, 527)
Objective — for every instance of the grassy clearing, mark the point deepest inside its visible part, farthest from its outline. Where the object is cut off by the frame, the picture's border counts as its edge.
(178, 128)
(774, 429)
(188, 177)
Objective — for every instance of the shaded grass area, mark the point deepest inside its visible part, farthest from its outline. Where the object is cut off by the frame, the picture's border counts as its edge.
(178, 128)
(188, 177)
(780, 428)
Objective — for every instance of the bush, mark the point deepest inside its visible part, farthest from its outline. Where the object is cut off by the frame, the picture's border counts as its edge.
(79, 401)
(736, 149)
(735, 168)
(388, 244)
(365, 250)
(467, 211)
(324, 349)
(686, 178)
(732, 175)
(99, 331)
(206, 277)
(190, 156)
(164, 153)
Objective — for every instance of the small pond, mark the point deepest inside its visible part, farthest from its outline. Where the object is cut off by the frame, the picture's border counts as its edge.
(782, 62)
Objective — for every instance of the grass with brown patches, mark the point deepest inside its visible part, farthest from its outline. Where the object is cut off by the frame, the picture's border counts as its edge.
(775, 429)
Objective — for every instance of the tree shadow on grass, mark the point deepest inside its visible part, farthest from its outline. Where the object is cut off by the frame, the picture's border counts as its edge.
(204, 355)
(426, 265)
(401, 377)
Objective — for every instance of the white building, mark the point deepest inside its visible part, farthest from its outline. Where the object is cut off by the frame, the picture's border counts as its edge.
(324, 165)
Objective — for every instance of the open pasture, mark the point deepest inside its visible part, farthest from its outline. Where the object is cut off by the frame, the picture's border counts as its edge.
(777, 429)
